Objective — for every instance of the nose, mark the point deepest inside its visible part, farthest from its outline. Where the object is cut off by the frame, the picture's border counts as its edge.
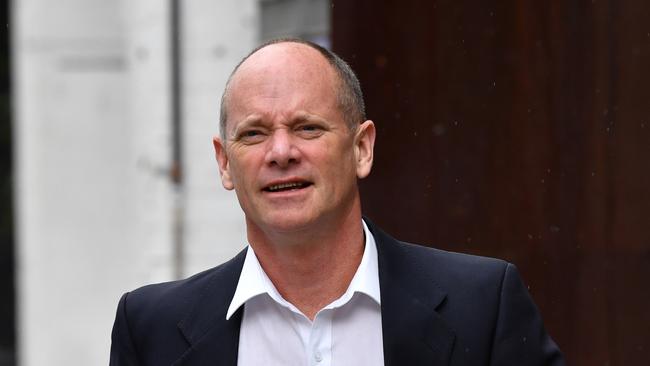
(281, 150)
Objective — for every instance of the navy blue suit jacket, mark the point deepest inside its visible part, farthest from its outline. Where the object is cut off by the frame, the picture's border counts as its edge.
(437, 307)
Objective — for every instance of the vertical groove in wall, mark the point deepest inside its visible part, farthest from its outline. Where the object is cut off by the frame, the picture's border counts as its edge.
(176, 172)
(8, 257)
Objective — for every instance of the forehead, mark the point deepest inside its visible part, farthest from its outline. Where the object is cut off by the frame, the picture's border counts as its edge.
(301, 60)
(285, 76)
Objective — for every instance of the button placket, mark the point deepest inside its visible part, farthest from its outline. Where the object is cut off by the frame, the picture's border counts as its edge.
(320, 340)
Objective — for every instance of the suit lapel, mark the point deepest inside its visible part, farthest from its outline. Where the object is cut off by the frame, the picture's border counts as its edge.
(413, 332)
(213, 339)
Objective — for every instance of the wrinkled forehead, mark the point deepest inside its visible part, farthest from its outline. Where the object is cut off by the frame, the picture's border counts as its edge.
(282, 78)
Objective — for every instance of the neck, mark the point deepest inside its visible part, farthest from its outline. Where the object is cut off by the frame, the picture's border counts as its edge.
(313, 266)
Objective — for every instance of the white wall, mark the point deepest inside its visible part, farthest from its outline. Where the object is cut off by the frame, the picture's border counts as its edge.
(217, 35)
(92, 146)
(74, 210)
(147, 50)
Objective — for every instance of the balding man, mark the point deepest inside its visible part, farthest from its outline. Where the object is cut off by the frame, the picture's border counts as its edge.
(318, 284)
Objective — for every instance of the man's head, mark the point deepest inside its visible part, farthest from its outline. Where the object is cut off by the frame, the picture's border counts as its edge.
(291, 145)
(349, 94)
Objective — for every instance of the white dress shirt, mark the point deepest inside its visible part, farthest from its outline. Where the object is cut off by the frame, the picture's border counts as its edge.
(345, 332)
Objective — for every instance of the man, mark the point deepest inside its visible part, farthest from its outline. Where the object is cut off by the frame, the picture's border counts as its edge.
(319, 285)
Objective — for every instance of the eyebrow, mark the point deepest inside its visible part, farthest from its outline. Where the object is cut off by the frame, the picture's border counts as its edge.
(307, 117)
(250, 121)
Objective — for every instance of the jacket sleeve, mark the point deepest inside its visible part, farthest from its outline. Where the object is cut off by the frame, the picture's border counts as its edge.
(520, 337)
(123, 352)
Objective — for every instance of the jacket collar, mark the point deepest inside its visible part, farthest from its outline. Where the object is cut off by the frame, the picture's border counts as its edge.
(212, 338)
(413, 332)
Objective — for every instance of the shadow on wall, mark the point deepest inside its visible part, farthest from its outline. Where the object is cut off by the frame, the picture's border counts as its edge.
(7, 297)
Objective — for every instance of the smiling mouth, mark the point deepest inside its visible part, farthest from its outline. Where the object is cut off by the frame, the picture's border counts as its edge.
(286, 186)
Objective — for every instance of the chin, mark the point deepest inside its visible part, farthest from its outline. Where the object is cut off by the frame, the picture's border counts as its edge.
(288, 222)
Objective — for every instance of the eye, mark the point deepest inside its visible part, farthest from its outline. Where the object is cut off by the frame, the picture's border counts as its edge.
(250, 136)
(310, 130)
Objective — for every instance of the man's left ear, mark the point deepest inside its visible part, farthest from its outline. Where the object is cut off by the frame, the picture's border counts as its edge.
(364, 144)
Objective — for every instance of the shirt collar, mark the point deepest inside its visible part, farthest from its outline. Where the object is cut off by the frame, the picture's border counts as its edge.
(253, 281)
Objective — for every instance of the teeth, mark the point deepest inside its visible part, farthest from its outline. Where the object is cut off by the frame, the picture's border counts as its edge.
(278, 187)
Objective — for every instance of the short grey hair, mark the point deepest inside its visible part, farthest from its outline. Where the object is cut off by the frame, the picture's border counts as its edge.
(350, 96)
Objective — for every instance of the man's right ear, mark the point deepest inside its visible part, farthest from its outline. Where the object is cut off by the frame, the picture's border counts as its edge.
(222, 161)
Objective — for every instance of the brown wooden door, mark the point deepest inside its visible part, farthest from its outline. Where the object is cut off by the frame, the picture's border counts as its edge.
(519, 130)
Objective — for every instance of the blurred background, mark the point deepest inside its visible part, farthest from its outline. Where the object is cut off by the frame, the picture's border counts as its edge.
(512, 129)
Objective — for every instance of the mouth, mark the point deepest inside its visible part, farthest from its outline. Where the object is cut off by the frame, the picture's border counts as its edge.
(286, 186)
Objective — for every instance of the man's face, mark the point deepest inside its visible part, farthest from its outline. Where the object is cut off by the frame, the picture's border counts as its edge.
(288, 152)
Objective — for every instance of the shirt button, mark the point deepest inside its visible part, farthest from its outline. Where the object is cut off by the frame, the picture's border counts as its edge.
(318, 356)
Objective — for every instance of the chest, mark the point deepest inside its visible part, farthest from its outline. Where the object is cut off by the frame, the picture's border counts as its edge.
(350, 334)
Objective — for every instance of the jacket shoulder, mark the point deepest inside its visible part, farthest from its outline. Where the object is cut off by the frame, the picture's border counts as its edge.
(457, 265)
(150, 319)
(156, 302)
(452, 271)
